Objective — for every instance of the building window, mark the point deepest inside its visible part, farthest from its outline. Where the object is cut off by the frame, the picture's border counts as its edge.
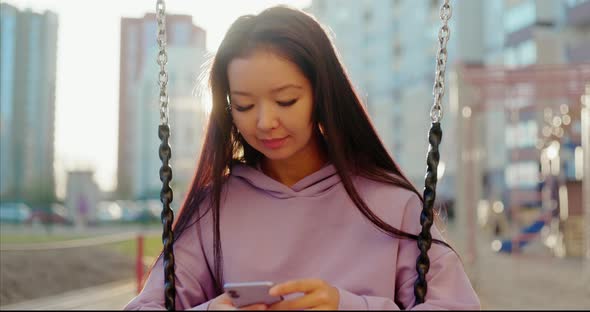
(342, 14)
(522, 54)
(573, 3)
(527, 52)
(398, 55)
(522, 135)
(182, 33)
(520, 16)
(513, 3)
(433, 4)
(522, 175)
(397, 49)
(510, 57)
(368, 16)
(396, 12)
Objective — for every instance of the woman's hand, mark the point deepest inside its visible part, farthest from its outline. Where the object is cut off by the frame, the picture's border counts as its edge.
(319, 295)
(223, 302)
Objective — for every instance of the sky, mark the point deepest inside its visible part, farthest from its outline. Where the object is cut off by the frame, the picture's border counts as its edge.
(88, 71)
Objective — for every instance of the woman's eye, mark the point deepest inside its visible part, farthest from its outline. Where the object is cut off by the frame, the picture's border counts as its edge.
(243, 108)
(287, 103)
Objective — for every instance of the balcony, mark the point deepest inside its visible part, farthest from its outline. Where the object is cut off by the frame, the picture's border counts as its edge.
(578, 13)
(519, 36)
(579, 53)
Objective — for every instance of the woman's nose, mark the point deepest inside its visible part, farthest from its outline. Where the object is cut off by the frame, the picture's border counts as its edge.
(267, 118)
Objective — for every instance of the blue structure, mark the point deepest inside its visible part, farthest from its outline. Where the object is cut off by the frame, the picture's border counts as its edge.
(528, 233)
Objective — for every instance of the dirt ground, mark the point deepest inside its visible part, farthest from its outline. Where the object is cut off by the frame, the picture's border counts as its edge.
(533, 280)
(28, 275)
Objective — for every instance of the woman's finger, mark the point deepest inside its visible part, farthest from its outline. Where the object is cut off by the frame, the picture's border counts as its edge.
(304, 302)
(302, 285)
(254, 307)
(321, 308)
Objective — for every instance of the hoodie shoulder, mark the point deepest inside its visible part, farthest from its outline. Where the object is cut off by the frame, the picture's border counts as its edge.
(397, 206)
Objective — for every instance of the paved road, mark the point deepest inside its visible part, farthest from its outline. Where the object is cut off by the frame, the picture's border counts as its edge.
(112, 296)
(532, 280)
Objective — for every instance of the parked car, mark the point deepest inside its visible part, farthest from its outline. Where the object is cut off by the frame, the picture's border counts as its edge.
(131, 210)
(52, 214)
(128, 211)
(108, 211)
(151, 210)
(16, 213)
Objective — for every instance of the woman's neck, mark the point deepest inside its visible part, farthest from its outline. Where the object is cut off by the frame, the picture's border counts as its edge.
(292, 170)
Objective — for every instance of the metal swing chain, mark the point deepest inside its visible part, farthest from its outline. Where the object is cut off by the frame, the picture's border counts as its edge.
(165, 152)
(432, 159)
(434, 137)
(438, 89)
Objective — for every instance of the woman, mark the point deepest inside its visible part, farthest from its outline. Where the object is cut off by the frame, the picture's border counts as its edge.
(294, 186)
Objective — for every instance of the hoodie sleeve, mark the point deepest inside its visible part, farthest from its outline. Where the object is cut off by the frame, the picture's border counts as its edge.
(193, 281)
(448, 285)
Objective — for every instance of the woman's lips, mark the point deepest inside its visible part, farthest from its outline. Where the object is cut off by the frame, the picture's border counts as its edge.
(274, 143)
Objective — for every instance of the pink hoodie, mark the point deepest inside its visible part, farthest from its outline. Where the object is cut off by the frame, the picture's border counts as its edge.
(313, 230)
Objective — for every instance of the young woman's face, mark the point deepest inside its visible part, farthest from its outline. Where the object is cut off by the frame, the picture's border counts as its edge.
(271, 104)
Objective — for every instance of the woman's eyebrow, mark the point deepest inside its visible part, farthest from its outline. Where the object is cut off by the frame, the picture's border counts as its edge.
(275, 90)
(287, 86)
(240, 93)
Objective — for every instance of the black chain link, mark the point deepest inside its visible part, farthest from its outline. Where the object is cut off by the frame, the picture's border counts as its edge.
(165, 153)
(167, 216)
(434, 137)
(427, 215)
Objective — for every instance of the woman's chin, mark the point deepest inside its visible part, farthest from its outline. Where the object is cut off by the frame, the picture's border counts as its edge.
(277, 154)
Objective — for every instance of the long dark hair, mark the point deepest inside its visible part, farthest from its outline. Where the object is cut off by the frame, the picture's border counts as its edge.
(351, 142)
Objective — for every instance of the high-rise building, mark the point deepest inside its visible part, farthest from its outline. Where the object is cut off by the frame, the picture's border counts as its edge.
(389, 50)
(187, 124)
(532, 33)
(491, 144)
(7, 85)
(28, 71)
(577, 19)
(138, 39)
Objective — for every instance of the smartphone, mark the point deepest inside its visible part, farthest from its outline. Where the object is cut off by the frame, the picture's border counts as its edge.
(243, 294)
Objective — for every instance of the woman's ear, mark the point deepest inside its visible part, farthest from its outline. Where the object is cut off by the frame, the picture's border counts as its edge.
(235, 130)
(321, 129)
(228, 104)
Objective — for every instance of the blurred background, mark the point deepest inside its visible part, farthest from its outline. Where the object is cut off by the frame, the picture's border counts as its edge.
(79, 183)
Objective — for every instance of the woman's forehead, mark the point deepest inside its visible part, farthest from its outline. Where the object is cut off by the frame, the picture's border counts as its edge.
(264, 71)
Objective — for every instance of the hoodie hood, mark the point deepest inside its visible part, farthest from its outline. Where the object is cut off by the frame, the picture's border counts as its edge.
(311, 185)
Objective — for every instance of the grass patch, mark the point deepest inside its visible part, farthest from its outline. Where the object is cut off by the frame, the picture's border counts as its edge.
(152, 245)
(36, 238)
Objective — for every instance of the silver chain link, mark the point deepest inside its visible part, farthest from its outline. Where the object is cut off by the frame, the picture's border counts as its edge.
(436, 112)
(162, 59)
